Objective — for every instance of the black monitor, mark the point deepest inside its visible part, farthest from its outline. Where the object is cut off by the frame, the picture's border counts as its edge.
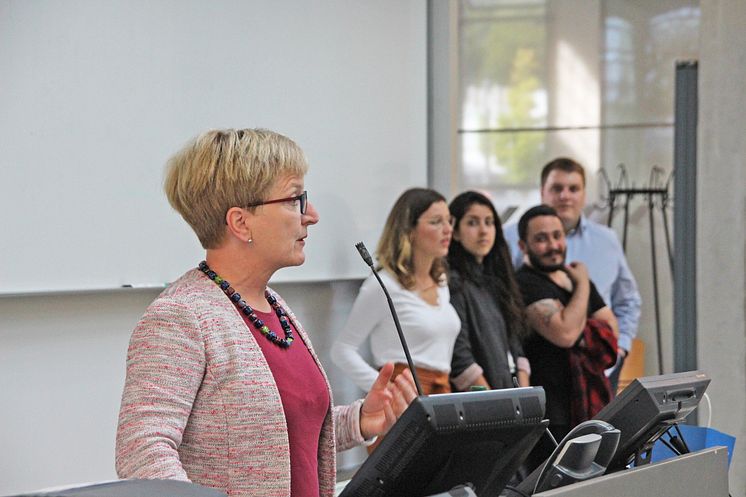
(442, 441)
(649, 407)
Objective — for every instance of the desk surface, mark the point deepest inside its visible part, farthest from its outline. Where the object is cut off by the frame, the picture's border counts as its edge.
(699, 474)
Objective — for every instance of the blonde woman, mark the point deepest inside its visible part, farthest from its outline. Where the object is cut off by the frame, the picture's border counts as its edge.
(411, 257)
(223, 387)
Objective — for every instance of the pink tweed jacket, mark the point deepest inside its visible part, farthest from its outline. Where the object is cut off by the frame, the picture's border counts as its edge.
(200, 403)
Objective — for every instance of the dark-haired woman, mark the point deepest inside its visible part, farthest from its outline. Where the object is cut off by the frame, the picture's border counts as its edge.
(488, 349)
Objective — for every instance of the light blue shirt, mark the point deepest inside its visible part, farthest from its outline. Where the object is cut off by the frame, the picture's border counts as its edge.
(599, 249)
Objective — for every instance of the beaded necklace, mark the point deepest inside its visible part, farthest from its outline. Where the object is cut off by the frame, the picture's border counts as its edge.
(249, 312)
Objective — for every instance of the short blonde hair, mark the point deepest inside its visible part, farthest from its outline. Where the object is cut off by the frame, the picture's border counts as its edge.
(227, 168)
(394, 251)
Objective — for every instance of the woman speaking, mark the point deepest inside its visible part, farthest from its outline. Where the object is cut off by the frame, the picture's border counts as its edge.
(223, 387)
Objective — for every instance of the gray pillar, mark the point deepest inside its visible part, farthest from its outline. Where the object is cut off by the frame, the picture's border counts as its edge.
(685, 219)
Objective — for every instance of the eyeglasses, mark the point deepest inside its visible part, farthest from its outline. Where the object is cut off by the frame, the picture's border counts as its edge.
(302, 199)
(439, 222)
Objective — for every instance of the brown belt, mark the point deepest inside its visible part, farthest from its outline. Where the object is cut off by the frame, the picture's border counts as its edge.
(431, 380)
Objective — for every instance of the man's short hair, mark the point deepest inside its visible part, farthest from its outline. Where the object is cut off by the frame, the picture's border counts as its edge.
(562, 164)
(536, 211)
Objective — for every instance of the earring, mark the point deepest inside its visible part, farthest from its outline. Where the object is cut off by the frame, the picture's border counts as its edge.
(251, 238)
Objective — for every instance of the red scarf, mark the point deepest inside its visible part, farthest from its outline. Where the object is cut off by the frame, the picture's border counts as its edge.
(589, 358)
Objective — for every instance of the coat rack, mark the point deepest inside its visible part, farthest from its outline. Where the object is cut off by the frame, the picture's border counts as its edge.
(657, 195)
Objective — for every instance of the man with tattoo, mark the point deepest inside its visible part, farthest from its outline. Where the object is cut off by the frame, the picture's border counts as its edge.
(597, 246)
(559, 300)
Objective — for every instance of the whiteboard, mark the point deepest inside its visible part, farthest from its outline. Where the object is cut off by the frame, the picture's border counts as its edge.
(95, 96)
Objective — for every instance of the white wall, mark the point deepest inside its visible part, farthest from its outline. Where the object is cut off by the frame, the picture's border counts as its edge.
(62, 371)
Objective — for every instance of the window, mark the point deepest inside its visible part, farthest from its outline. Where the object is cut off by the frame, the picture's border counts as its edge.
(544, 78)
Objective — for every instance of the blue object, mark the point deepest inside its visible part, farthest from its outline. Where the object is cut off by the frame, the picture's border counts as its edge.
(696, 438)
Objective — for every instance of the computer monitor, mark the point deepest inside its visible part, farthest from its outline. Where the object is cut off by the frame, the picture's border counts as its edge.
(446, 440)
(647, 408)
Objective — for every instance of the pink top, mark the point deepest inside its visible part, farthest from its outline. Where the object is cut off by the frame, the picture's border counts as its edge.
(305, 401)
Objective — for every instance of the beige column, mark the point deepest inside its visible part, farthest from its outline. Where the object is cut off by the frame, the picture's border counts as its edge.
(721, 221)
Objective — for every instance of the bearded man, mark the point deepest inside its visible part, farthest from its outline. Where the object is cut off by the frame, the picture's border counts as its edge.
(574, 332)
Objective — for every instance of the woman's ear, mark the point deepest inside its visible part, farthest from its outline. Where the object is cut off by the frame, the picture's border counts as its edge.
(455, 235)
(238, 223)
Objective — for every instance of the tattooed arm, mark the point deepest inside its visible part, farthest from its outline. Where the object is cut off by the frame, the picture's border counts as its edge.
(558, 324)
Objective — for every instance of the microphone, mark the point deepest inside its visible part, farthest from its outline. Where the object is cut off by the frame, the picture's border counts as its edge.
(360, 246)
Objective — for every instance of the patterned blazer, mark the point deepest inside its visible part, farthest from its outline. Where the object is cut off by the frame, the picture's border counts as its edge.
(200, 402)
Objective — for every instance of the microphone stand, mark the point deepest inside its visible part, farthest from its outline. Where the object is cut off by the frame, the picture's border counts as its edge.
(360, 246)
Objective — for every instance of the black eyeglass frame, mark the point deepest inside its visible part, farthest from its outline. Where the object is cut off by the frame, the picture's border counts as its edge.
(302, 198)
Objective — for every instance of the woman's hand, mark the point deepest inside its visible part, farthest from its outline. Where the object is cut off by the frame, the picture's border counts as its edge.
(523, 379)
(385, 401)
(481, 382)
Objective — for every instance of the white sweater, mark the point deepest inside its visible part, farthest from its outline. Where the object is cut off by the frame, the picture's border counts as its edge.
(430, 330)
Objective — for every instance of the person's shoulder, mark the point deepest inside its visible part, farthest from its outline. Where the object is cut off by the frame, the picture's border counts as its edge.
(525, 269)
(596, 229)
(192, 285)
(455, 282)
(599, 241)
(526, 275)
(193, 293)
(534, 285)
(182, 308)
(389, 279)
(371, 286)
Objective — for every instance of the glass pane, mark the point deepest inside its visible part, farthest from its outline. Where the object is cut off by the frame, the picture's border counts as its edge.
(503, 64)
(522, 72)
(502, 158)
(510, 162)
(639, 149)
(643, 41)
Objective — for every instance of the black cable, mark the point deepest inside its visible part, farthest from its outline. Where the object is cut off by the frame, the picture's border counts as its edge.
(681, 437)
(678, 443)
(551, 437)
(670, 447)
